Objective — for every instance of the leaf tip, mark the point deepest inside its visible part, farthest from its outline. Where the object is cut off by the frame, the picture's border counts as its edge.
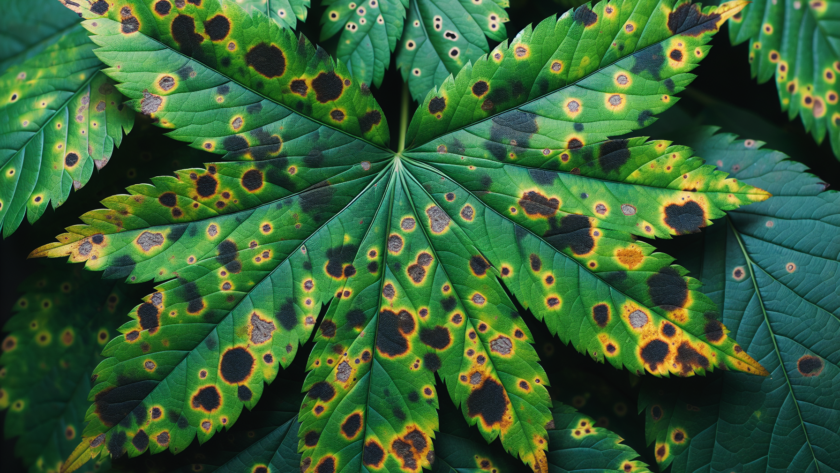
(80, 455)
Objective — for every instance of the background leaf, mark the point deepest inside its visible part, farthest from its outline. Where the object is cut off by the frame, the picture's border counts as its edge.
(771, 270)
(283, 12)
(799, 42)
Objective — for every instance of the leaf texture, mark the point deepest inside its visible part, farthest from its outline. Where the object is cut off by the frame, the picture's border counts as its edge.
(442, 36)
(772, 269)
(798, 42)
(60, 117)
(576, 444)
(62, 321)
(408, 251)
(283, 12)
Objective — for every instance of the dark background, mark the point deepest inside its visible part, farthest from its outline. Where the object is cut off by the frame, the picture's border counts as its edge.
(723, 86)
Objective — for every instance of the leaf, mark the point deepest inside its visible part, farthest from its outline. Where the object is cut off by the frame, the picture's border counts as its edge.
(263, 440)
(772, 269)
(283, 12)
(305, 213)
(369, 32)
(61, 117)
(62, 321)
(576, 444)
(798, 42)
(442, 36)
(25, 31)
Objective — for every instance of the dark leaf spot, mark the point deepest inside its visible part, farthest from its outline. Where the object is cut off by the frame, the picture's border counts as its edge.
(268, 60)
(236, 365)
(327, 86)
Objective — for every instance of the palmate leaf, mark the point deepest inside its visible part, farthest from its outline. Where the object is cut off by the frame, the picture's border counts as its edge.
(59, 116)
(799, 42)
(772, 268)
(62, 321)
(436, 37)
(408, 250)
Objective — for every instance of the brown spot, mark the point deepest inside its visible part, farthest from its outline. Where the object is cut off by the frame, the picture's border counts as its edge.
(534, 203)
(129, 23)
(502, 345)
(689, 357)
(810, 366)
(630, 257)
(150, 103)
(147, 240)
(337, 115)
(438, 219)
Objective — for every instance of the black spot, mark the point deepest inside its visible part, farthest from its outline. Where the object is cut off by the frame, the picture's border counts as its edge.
(328, 328)
(534, 203)
(437, 338)
(536, 262)
(71, 159)
(601, 314)
(449, 303)
(114, 404)
(572, 232)
(140, 440)
(119, 268)
(316, 198)
(183, 423)
(655, 353)
(373, 267)
(578, 126)
(337, 257)
(644, 117)
(479, 265)
(686, 218)
(147, 314)
(393, 327)
(286, 315)
(431, 362)
(687, 356)
(227, 252)
(140, 413)
(236, 365)
(669, 330)
(129, 23)
(656, 412)
(585, 16)
(217, 28)
(542, 177)
(676, 55)
(713, 331)
(207, 398)
(513, 128)
(373, 454)
(100, 7)
(437, 105)
(356, 318)
(162, 7)
(480, 88)
(299, 87)
(413, 396)
(206, 185)
(115, 444)
(168, 199)
(650, 59)
(183, 32)
(352, 425)
(810, 365)
(244, 393)
(254, 109)
(327, 86)
(322, 390)
(669, 83)
(689, 20)
(267, 60)
(613, 154)
(252, 180)
(668, 289)
(398, 413)
(369, 120)
(311, 438)
(488, 401)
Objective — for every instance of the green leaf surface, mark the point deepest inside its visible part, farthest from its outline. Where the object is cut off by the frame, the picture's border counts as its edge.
(442, 36)
(283, 12)
(798, 42)
(772, 269)
(408, 251)
(60, 325)
(60, 117)
(576, 444)
(26, 28)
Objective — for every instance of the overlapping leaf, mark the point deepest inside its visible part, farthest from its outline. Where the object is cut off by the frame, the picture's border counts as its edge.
(60, 117)
(408, 250)
(61, 324)
(799, 42)
(772, 268)
(283, 12)
(576, 444)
